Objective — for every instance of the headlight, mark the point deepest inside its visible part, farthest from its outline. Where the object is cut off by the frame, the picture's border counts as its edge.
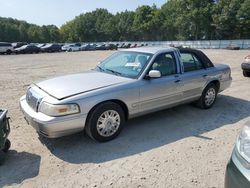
(243, 145)
(59, 110)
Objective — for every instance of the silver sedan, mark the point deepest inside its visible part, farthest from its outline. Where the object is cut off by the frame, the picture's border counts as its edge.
(127, 84)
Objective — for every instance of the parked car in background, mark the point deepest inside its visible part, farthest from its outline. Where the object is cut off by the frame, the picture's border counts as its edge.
(126, 45)
(238, 167)
(142, 44)
(6, 48)
(246, 66)
(233, 47)
(19, 44)
(51, 48)
(27, 49)
(41, 45)
(71, 47)
(88, 47)
(127, 84)
(121, 45)
(133, 45)
(101, 47)
(139, 45)
(110, 46)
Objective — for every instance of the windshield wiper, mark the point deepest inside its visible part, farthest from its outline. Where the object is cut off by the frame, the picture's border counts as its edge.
(110, 70)
(100, 68)
(114, 72)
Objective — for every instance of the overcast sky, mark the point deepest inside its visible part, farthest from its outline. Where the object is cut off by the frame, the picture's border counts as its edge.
(44, 12)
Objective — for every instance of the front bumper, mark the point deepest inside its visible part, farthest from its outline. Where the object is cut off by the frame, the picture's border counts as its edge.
(237, 176)
(52, 127)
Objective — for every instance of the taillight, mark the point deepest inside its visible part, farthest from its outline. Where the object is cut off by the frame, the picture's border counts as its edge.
(247, 58)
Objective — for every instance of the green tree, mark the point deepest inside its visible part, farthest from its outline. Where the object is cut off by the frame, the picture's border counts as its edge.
(124, 25)
(175, 20)
(143, 24)
(225, 18)
(23, 35)
(243, 20)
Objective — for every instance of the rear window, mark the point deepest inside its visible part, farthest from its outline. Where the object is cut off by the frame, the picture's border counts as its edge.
(191, 62)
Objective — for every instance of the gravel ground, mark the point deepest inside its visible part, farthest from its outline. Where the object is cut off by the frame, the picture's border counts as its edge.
(179, 147)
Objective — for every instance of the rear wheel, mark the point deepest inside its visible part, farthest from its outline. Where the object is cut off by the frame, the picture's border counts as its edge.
(105, 122)
(208, 96)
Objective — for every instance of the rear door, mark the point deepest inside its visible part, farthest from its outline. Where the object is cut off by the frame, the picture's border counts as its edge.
(194, 77)
(161, 92)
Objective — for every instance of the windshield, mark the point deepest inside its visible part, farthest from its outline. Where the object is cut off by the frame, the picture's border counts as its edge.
(127, 64)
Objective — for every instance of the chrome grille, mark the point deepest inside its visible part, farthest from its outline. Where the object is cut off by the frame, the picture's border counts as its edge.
(33, 99)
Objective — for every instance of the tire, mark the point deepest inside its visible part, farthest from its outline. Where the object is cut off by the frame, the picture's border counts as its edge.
(111, 115)
(9, 52)
(246, 74)
(2, 157)
(7, 146)
(208, 96)
(70, 50)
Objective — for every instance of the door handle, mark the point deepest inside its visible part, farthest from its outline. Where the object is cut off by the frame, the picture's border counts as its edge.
(204, 76)
(177, 81)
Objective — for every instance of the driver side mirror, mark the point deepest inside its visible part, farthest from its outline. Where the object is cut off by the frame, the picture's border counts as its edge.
(154, 74)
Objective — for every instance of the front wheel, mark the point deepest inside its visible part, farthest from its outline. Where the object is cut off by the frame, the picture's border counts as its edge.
(105, 122)
(208, 96)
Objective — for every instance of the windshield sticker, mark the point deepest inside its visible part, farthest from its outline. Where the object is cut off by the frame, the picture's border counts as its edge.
(132, 64)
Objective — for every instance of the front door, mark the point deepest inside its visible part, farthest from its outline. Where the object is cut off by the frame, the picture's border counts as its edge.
(160, 92)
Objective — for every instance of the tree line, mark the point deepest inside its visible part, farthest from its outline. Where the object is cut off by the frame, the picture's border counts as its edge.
(175, 20)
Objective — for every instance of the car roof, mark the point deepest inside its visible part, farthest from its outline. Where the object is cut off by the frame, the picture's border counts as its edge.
(151, 50)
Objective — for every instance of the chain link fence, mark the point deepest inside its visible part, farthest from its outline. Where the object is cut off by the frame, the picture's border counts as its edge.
(205, 44)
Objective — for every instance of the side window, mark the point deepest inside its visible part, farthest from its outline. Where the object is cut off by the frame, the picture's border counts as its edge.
(191, 62)
(165, 63)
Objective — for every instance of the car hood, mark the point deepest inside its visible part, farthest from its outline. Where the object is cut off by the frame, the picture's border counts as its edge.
(71, 85)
